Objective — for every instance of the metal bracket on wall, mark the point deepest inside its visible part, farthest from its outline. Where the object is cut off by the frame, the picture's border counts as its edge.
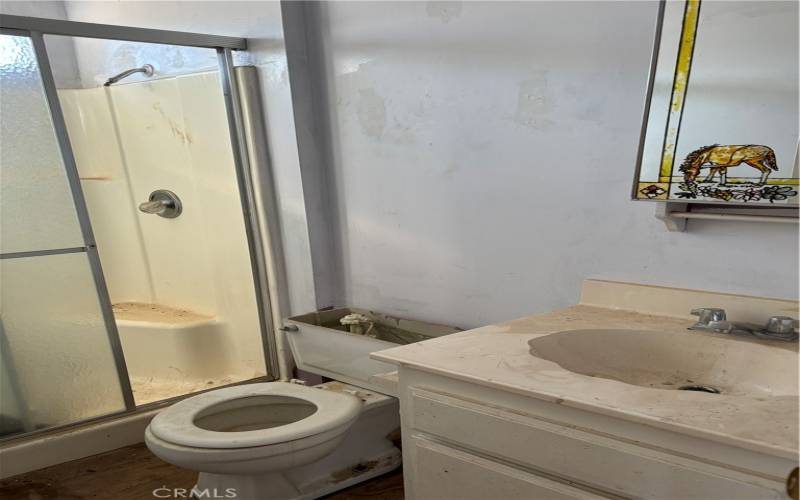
(675, 215)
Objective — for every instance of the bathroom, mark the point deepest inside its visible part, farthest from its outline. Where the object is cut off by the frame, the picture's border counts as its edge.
(457, 165)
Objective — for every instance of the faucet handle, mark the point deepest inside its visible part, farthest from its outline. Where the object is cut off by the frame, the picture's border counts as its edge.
(162, 202)
(782, 325)
(154, 207)
(708, 315)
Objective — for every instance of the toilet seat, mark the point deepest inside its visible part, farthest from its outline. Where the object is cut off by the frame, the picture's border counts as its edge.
(176, 424)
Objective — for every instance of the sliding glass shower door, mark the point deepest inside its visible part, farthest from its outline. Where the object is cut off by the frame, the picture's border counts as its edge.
(180, 303)
(60, 357)
(180, 282)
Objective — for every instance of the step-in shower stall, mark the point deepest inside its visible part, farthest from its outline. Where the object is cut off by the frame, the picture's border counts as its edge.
(132, 264)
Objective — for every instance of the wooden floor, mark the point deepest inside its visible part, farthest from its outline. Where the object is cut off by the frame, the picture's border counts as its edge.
(133, 473)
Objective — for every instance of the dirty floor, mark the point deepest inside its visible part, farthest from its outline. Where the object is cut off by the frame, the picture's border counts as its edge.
(133, 473)
(149, 389)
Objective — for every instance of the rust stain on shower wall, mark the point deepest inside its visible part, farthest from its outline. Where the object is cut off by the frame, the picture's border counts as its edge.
(176, 129)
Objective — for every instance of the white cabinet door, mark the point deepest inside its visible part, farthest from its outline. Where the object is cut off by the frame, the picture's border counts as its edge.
(445, 473)
(581, 455)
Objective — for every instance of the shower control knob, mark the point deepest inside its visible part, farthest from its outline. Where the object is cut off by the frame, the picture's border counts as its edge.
(164, 203)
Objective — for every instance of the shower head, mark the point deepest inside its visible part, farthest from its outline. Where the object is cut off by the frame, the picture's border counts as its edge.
(147, 70)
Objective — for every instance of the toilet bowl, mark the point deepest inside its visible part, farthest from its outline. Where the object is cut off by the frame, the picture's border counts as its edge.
(277, 440)
(244, 438)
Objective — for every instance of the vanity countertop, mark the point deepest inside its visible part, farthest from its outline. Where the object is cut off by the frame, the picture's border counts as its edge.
(498, 356)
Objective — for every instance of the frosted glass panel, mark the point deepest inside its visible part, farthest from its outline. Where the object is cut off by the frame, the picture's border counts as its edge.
(36, 207)
(56, 361)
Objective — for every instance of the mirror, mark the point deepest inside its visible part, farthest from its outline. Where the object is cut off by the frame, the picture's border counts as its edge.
(721, 116)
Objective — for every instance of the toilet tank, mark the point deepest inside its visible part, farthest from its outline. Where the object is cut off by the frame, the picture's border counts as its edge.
(322, 345)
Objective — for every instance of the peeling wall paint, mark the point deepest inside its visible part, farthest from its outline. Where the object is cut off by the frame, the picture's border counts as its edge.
(445, 11)
(371, 113)
(535, 108)
(483, 157)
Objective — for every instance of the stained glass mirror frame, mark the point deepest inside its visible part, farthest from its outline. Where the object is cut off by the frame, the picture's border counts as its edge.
(698, 173)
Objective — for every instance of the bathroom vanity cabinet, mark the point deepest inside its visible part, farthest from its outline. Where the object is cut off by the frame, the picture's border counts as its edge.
(486, 414)
(465, 440)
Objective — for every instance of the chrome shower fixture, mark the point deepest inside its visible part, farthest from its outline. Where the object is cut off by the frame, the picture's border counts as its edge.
(147, 70)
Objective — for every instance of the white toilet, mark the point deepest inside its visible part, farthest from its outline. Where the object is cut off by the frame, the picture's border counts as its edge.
(279, 440)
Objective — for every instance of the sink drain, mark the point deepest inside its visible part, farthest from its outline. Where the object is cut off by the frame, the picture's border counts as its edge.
(699, 388)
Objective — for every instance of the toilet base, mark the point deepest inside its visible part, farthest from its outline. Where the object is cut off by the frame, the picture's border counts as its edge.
(366, 451)
(262, 486)
(278, 486)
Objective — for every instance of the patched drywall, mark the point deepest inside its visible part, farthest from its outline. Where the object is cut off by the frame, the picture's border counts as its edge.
(371, 113)
(482, 158)
(444, 11)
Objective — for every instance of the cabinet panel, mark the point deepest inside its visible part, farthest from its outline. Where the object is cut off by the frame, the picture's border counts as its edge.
(586, 457)
(446, 473)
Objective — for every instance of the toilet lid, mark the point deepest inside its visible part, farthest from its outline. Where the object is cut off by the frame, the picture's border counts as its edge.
(177, 425)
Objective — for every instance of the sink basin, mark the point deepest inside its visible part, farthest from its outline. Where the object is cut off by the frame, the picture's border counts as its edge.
(674, 360)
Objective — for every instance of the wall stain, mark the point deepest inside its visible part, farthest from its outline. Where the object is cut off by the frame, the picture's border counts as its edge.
(124, 57)
(400, 133)
(372, 110)
(176, 130)
(534, 103)
(451, 169)
(175, 58)
(371, 113)
(445, 11)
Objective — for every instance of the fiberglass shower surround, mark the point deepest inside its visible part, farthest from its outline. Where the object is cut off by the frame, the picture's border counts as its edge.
(177, 304)
(176, 276)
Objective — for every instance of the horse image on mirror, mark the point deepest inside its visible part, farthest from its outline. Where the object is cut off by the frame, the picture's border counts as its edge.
(720, 158)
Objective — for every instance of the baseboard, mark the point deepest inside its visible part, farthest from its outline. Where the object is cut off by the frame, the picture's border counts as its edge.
(38, 452)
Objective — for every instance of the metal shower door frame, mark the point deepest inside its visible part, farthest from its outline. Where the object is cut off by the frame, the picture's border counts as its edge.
(90, 245)
(35, 29)
(250, 207)
(73, 180)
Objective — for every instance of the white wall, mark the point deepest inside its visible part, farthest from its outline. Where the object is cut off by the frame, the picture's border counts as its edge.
(483, 154)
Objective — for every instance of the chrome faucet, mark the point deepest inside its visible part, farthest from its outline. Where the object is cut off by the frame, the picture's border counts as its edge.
(713, 319)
